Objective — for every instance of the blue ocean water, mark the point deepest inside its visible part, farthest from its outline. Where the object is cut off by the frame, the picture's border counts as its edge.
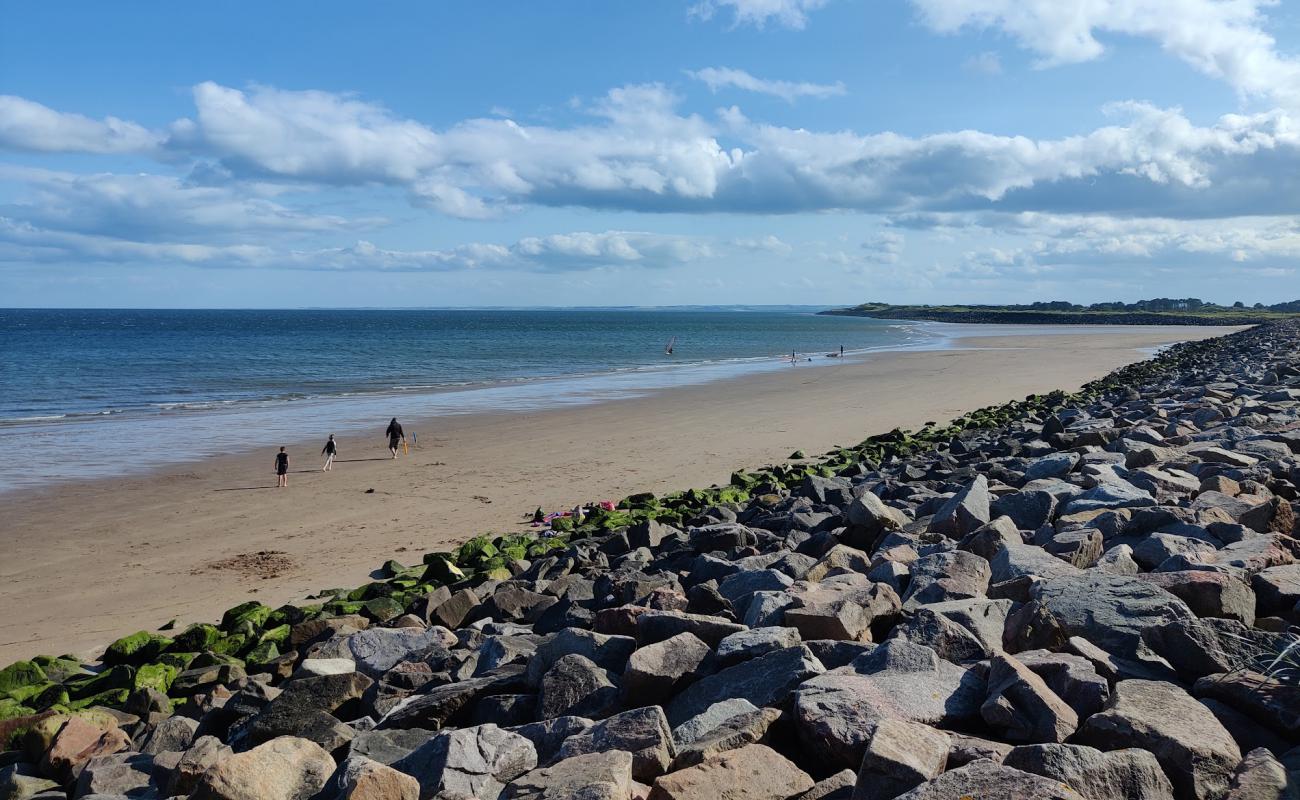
(107, 392)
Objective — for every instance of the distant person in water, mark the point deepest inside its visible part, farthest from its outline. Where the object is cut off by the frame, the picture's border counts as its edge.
(281, 469)
(395, 436)
(330, 450)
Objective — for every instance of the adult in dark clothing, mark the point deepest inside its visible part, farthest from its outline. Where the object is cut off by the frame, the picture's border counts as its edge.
(330, 450)
(282, 469)
(395, 436)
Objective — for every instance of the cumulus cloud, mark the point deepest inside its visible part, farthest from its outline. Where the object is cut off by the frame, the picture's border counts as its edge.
(149, 207)
(635, 150)
(1224, 39)
(791, 14)
(1033, 243)
(641, 153)
(20, 240)
(718, 78)
(32, 127)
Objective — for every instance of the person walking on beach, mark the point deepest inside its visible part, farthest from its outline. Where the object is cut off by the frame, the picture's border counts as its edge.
(330, 450)
(281, 469)
(395, 436)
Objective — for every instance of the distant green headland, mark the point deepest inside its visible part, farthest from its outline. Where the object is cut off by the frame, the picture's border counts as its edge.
(1159, 311)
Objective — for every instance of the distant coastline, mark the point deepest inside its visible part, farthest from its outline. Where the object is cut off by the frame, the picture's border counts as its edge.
(1144, 312)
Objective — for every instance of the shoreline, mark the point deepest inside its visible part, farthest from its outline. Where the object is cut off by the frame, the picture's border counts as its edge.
(70, 447)
(107, 557)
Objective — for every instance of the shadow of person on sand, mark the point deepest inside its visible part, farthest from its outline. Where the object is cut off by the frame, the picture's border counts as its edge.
(355, 460)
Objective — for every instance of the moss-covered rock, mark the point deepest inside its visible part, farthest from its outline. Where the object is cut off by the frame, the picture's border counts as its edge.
(496, 574)
(277, 635)
(262, 653)
(156, 676)
(231, 645)
(20, 674)
(251, 613)
(196, 638)
(53, 695)
(180, 661)
(110, 698)
(382, 609)
(204, 660)
(60, 668)
(121, 676)
(476, 551)
(441, 570)
(338, 608)
(138, 648)
(286, 615)
(10, 709)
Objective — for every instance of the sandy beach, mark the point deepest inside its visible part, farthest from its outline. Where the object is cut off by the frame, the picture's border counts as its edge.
(90, 561)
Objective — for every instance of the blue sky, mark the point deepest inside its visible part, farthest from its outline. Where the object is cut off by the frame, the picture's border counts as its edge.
(655, 152)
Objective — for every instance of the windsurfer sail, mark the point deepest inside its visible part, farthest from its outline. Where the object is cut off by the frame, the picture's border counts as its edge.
(668, 350)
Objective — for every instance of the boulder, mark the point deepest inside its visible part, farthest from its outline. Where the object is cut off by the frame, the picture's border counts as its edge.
(77, 741)
(1194, 749)
(1265, 699)
(764, 681)
(123, 774)
(744, 645)
(1277, 589)
(711, 718)
(471, 762)
(734, 733)
(389, 745)
(549, 735)
(643, 732)
(987, 780)
(755, 772)
(1260, 776)
(1110, 611)
(1022, 707)
(287, 768)
(655, 672)
(964, 511)
(939, 577)
(576, 686)
(609, 652)
(1209, 594)
(595, 776)
(1072, 678)
(1115, 775)
(359, 778)
(900, 755)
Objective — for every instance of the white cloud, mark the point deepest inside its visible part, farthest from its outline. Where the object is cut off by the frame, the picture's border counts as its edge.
(21, 241)
(986, 63)
(767, 244)
(639, 152)
(791, 14)
(1224, 39)
(717, 78)
(149, 207)
(30, 126)
(1034, 243)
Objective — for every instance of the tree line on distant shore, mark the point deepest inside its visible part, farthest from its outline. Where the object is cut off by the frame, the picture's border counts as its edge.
(1157, 311)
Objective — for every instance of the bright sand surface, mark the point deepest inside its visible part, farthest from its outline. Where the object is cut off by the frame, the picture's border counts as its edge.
(84, 563)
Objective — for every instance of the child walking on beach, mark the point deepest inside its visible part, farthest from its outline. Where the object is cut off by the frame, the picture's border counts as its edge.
(329, 451)
(282, 469)
(395, 436)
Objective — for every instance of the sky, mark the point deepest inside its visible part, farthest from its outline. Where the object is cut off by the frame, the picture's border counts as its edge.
(647, 152)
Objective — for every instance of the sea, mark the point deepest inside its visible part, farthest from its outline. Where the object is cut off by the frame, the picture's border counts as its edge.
(99, 393)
